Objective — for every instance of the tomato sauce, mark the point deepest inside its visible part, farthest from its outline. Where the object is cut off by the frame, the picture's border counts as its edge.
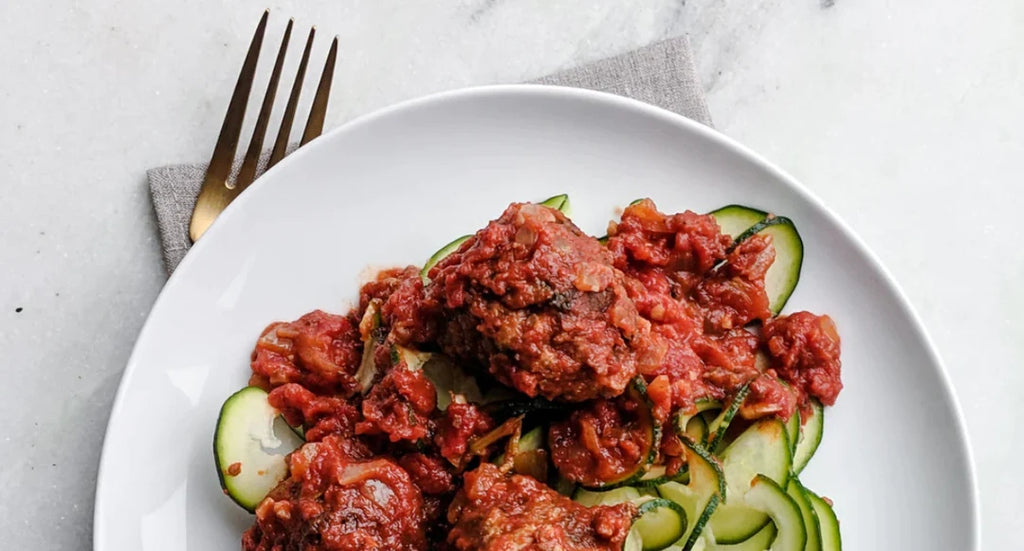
(538, 303)
(331, 501)
(400, 407)
(604, 442)
(460, 424)
(320, 351)
(531, 303)
(805, 350)
(498, 512)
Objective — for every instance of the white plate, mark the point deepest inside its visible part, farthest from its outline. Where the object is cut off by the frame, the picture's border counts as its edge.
(392, 187)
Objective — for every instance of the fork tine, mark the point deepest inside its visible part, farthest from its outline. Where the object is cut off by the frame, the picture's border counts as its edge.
(252, 156)
(317, 113)
(217, 174)
(283, 133)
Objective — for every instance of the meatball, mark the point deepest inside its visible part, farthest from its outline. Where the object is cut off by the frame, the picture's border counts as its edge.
(400, 406)
(320, 351)
(539, 303)
(331, 501)
(805, 352)
(685, 242)
(430, 473)
(607, 440)
(499, 512)
(696, 304)
(320, 415)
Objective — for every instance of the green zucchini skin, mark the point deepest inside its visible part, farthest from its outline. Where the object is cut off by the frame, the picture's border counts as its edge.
(558, 202)
(657, 475)
(734, 219)
(246, 426)
(591, 498)
(784, 274)
(701, 495)
(718, 427)
(798, 494)
(697, 429)
(440, 255)
(761, 450)
(793, 432)
(661, 523)
(829, 524)
(811, 431)
(682, 418)
(758, 542)
(533, 440)
(767, 496)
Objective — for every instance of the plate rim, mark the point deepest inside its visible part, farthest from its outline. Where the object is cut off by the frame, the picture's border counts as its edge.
(577, 94)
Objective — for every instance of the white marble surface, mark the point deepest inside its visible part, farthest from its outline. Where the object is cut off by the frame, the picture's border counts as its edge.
(907, 118)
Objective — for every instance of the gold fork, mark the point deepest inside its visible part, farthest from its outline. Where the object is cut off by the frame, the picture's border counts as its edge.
(217, 190)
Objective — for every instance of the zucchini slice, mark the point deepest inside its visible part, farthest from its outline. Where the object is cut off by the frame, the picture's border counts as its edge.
(830, 539)
(697, 429)
(735, 219)
(793, 431)
(699, 497)
(533, 439)
(784, 273)
(531, 458)
(250, 446)
(811, 431)
(682, 418)
(767, 496)
(558, 202)
(717, 427)
(762, 449)
(451, 380)
(565, 486)
(796, 491)
(414, 359)
(448, 378)
(661, 523)
(758, 542)
(440, 254)
(658, 475)
(589, 498)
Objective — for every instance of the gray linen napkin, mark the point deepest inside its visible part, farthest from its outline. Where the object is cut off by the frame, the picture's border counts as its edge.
(661, 74)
